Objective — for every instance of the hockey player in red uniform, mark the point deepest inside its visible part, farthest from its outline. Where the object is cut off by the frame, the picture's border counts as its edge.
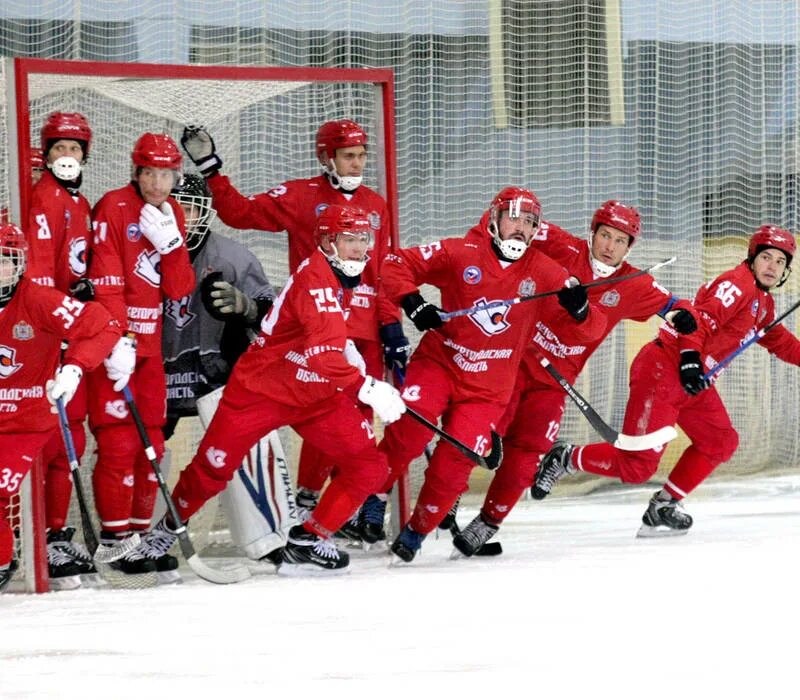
(531, 422)
(138, 258)
(302, 371)
(667, 385)
(58, 234)
(374, 322)
(33, 322)
(464, 371)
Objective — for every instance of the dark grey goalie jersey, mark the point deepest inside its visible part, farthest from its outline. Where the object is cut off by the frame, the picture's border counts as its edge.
(193, 360)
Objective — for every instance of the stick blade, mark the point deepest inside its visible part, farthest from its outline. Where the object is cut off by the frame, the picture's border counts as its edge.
(221, 576)
(105, 554)
(649, 441)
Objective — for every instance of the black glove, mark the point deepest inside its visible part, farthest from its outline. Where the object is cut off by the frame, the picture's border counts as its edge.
(576, 301)
(199, 146)
(221, 305)
(82, 289)
(396, 347)
(423, 314)
(683, 322)
(495, 458)
(691, 371)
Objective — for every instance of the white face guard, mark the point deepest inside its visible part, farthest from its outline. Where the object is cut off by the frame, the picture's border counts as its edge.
(347, 183)
(66, 168)
(512, 249)
(199, 214)
(349, 268)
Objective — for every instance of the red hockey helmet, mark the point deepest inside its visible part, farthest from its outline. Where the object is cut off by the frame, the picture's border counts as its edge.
(768, 236)
(13, 253)
(619, 216)
(156, 151)
(341, 133)
(343, 220)
(66, 125)
(516, 201)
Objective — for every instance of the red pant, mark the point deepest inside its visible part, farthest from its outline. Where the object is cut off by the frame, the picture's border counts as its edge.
(536, 411)
(657, 399)
(315, 466)
(124, 484)
(429, 391)
(18, 451)
(336, 427)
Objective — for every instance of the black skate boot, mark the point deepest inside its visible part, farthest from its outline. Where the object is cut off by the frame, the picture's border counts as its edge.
(407, 544)
(473, 537)
(134, 570)
(63, 567)
(350, 531)
(155, 545)
(308, 553)
(554, 465)
(664, 517)
(77, 550)
(449, 520)
(371, 518)
(6, 574)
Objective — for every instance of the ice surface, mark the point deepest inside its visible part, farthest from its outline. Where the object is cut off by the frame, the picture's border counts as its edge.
(576, 607)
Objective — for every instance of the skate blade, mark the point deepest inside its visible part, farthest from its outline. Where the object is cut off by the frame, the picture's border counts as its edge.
(286, 569)
(646, 531)
(92, 580)
(65, 583)
(166, 578)
(396, 562)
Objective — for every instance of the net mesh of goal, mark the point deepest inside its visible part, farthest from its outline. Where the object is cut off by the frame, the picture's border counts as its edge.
(686, 110)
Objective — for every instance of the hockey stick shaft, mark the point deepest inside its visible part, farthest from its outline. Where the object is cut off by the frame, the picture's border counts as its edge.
(447, 315)
(460, 446)
(192, 559)
(716, 369)
(89, 535)
(630, 443)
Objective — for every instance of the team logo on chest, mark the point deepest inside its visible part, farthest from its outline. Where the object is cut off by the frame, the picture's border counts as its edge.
(133, 232)
(374, 220)
(610, 298)
(77, 256)
(490, 321)
(527, 287)
(7, 364)
(22, 331)
(178, 311)
(148, 267)
(472, 274)
(754, 308)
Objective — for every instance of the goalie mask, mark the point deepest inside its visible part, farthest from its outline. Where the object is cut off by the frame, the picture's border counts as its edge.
(518, 203)
(193, 195)
(768, 236)
(344, 225)
(343, 133)
(66, 126)
(13, 254)
(618, 216)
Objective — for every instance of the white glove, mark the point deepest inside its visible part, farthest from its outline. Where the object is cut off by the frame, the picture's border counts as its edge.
(383, 398)
(64, 385)
(160, 228)
(353, 357)
(121, 362)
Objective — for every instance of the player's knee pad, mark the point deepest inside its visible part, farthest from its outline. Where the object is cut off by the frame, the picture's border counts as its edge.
(118, 447)
(638, 467)
(720, 448)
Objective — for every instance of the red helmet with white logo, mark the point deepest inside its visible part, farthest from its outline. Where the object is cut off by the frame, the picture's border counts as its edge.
(768, 236)
(343, 220)
(619, 216)
(156, 151)
(341, 133)
(13, 253)
(66, 125)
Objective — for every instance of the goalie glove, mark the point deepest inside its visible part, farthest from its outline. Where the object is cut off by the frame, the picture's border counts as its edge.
(691, 371)
(199, 146)
(424, 315)
(383, 398)
(160, 228)
(121, 362)
(64, 385)
(354, 358)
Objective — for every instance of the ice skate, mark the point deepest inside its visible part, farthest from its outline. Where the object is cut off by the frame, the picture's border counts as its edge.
(555, 464)
(63, 566)
(664, 517)
(406, 546)
(308, 553)
(7, 573)
(155, 545)
(473, 537)
(134, 570)
(371, 520)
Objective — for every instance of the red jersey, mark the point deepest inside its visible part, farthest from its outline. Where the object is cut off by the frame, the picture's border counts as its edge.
(130, 277)
(294, 207)
(58, 234)
(637, 299)
(32, 326)
(482, 350)
(298, 358)
(731, 309)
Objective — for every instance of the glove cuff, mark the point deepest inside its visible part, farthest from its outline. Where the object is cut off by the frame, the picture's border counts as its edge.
(391, 331)
(210, 165)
